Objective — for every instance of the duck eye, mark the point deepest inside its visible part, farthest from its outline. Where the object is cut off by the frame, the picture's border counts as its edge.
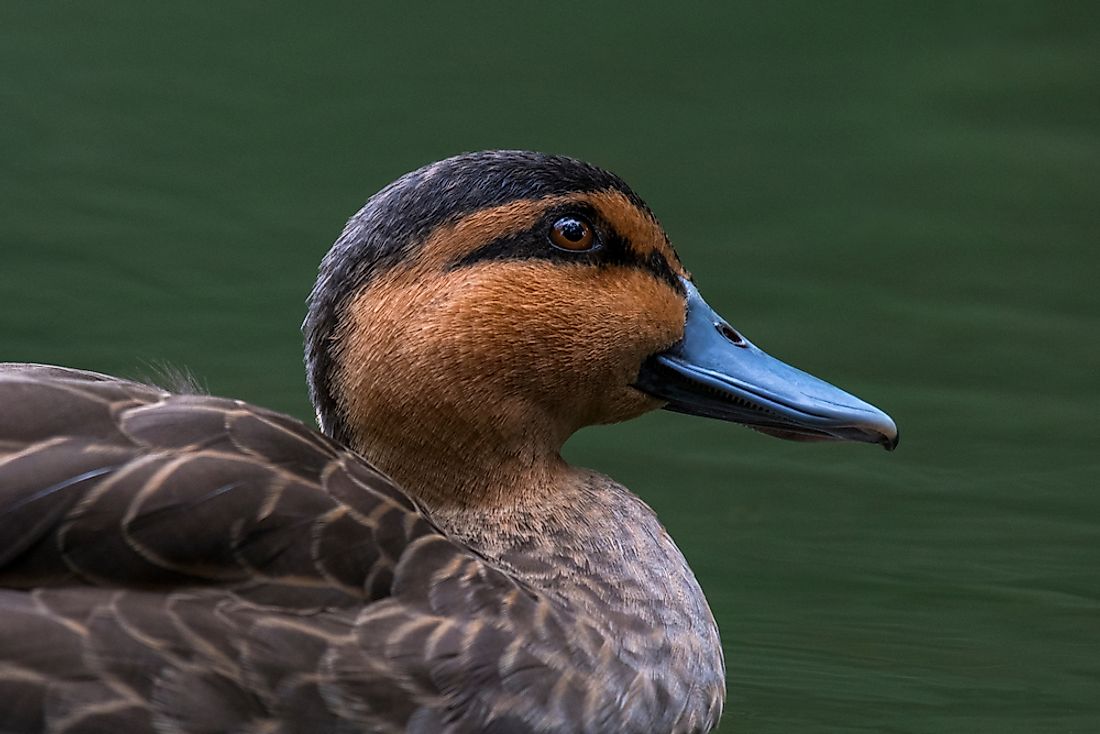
(571, 233)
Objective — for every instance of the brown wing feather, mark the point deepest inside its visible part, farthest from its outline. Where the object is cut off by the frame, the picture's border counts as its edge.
(185, 563)
(106, 482)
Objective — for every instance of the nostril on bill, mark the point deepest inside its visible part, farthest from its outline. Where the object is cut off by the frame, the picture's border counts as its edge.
(730, 334)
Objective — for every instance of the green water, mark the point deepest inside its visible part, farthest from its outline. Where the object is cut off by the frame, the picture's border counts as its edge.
(903, 200)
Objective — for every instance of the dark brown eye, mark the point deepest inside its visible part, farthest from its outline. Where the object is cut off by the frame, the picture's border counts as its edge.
(571, 233)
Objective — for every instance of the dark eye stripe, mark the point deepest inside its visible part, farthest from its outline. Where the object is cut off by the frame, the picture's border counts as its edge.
(611, 249)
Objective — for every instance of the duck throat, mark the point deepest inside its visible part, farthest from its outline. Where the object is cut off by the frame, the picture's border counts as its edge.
(455, 460)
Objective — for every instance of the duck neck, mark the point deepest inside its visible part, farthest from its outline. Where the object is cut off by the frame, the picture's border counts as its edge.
(572, 536)
(455, 463)
(568, 533)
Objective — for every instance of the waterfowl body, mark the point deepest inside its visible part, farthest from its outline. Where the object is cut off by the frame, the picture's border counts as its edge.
(428, 562)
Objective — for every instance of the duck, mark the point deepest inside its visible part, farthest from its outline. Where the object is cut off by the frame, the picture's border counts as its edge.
(425, 560)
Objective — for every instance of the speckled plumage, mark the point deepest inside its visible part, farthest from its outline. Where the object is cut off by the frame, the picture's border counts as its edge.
(195, 564)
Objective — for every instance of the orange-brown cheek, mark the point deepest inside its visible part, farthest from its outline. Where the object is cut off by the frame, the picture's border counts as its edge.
(567, 341)
(655, 324)
(575, 341)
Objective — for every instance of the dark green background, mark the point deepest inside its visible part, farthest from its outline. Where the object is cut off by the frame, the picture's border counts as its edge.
(902, 199)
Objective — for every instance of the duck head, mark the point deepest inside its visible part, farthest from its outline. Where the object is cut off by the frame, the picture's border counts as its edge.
(496, 302)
